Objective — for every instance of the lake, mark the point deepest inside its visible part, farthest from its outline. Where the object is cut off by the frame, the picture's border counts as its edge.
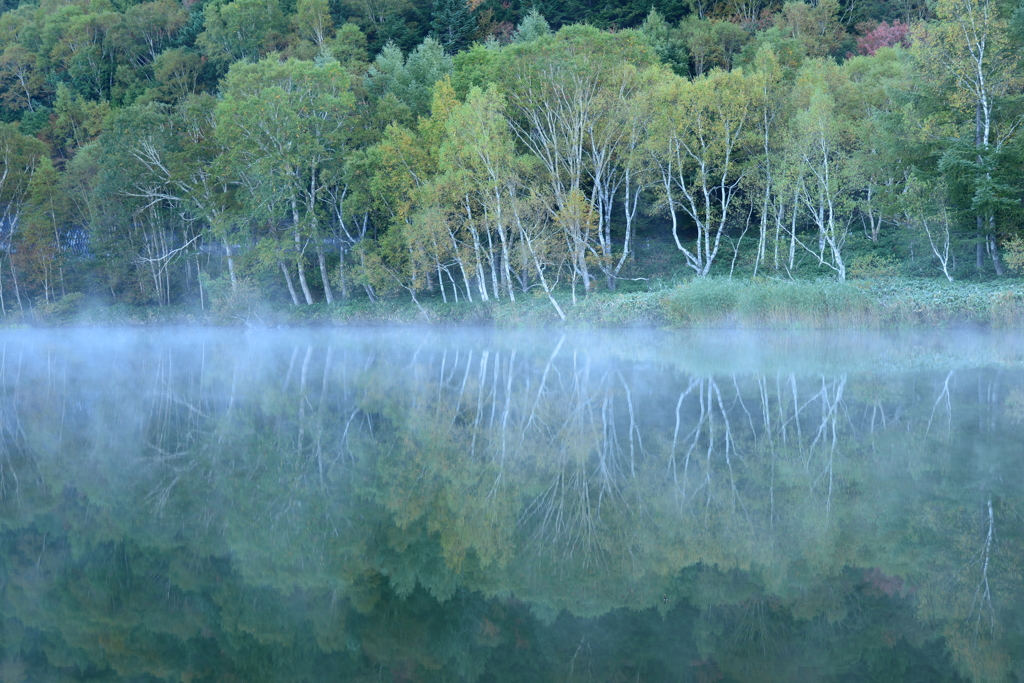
(488, 505)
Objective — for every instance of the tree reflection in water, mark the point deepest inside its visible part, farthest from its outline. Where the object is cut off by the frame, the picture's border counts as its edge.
(486, 506)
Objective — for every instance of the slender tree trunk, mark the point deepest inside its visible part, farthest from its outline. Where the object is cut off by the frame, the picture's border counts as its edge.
(980, 248)
(492, 258)
(288, 279)
(581, 247)
(481, 281)
(455, 285)
(199, 281)
(14, 279)
(231, 266)
(342, 283)
(630, 203)
(979, 144)
(465, 275)
(994, 249)
(506, 274)
(540, 274)
(301, 267)
(322, 260)
(440, 283)
(792, 231)
(367, 287)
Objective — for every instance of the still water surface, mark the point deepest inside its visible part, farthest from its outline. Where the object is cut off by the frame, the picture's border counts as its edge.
(494, 506)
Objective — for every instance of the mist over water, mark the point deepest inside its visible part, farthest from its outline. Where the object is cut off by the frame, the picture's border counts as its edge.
(494, 505)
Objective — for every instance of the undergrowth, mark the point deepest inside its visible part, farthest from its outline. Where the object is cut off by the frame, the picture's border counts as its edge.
(753, 303)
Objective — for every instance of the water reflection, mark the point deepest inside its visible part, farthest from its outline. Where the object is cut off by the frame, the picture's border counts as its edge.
(496, 506)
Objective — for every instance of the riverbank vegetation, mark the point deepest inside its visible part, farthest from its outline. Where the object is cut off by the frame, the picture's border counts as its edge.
(839, 164)
(755, 303)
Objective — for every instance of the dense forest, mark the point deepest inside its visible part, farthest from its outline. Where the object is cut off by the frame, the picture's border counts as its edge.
(306, 151)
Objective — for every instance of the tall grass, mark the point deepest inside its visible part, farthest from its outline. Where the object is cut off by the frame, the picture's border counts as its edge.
(897, 303)
(759, 303)
(772, 304)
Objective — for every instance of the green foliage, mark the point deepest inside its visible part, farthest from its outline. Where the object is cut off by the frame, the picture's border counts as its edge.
(920, 145)
(63, 311)
(240, 30)
(711, 44)
(410, 81)
(667, 42)
(816, 26)
(349, 47)
(532, 27)
(178, 71)
(313, 22)
(1013, 254)
(872, 267)
(476, 67)
(451, 24)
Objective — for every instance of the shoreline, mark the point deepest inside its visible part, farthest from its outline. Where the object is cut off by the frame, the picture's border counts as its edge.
(755, 304)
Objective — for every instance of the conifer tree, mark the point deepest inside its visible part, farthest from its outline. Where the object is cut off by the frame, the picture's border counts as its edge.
(533, 26)
(452, 24)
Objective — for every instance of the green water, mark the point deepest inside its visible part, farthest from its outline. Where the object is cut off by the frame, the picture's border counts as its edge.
(417, 505)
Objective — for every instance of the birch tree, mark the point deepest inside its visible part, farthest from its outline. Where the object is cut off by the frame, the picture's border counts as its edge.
(282, 124)
(480, 142)
(148, 221)
(770, 97)
(970, 49)
(822, 154)
(569, 99)
(697, 143)
(20, 156)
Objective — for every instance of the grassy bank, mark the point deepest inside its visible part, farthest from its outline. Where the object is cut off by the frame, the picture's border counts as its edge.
(897, 303)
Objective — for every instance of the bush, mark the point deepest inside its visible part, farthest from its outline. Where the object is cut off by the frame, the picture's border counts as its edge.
(62, 311)
(242, 304)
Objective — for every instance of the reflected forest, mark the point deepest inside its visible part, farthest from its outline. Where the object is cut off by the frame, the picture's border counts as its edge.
(413, 506)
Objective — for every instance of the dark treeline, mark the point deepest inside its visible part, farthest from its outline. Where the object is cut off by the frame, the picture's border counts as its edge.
(310, 151)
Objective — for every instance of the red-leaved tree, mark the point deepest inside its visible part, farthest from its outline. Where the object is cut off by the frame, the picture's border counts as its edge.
(884, 35)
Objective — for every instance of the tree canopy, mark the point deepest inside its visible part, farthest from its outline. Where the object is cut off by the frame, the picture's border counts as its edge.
(254, 141)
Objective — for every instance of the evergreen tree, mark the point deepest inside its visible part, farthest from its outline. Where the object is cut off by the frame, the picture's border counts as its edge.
(667, 41)
(533, 26)
(452, 24)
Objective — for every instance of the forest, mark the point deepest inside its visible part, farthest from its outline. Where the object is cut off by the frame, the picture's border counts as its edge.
(308, 152)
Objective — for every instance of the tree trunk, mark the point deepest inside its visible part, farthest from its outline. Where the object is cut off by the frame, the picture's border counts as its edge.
(980, 249)
(199, 280)
(301, 266)
(506, 273)
(492, 257)
(231, 266)
(994, 249)
(480, 280)
(322, 260)
(540, 273)
(14, 279)
(440, 282)
(288, 279)
(342, 284)
(3, 306)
